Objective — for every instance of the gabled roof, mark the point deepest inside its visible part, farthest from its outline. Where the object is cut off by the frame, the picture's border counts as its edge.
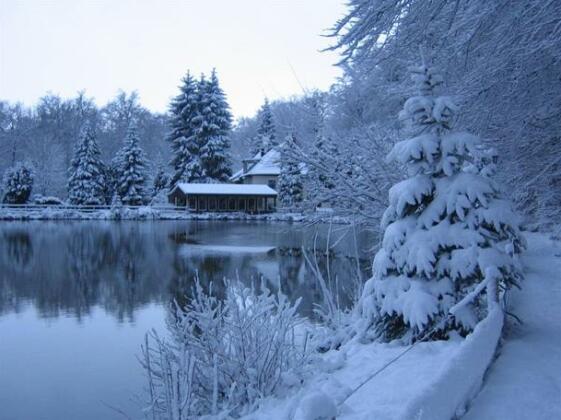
(225, 189)
(268, 164)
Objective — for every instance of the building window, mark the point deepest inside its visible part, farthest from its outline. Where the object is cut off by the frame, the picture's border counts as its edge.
(212, 204)
(223, 204)
(241, 204)
(202, 204)
(232, 204)
(251, 204)
(192, 203)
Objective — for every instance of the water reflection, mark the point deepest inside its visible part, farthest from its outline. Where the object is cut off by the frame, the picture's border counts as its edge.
(77, 298)
(70, 268)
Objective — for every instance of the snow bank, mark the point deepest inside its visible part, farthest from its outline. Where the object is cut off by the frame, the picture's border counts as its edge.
(525, 380)
(433, 381)
(461, 376)
(316, 406)
(160, 213)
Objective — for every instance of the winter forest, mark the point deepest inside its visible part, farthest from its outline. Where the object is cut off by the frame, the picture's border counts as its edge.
(416, 219)
(506, 82)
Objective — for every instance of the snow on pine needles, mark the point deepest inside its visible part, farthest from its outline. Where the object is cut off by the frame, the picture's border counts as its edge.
(446, 228)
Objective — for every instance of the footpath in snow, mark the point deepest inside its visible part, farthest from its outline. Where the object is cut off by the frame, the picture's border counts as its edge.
(524, 383)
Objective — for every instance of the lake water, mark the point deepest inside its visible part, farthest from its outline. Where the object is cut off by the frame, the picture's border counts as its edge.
(77, 298)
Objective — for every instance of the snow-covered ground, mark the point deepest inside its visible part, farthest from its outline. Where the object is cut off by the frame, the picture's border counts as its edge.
(382, 398)
(434, 379)
(429, 381)
(525, 380)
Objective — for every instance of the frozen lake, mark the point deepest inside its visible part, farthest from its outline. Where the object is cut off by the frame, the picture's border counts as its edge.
(77, 298)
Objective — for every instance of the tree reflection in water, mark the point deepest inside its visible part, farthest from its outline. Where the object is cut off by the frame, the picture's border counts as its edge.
(70, 268)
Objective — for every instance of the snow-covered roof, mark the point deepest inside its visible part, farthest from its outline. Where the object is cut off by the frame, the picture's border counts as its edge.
(225, 189)
(268, 164)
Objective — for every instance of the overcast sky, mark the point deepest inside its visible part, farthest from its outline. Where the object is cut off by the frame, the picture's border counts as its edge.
(259, 48)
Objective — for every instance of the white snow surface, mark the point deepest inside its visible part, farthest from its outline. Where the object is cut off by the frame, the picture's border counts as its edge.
(460, 376)
(227, 189)
(268, 164)
(382, 398)
(223, 249)
(525, 380)
(433, 381)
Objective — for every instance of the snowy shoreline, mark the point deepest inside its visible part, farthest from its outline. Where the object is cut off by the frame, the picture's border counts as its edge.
(150, 214)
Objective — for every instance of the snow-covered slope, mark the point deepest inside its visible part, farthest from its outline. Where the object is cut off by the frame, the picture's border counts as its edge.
(525, 381)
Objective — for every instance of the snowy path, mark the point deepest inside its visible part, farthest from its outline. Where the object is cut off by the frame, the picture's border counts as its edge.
(383, 398)
(525, 380)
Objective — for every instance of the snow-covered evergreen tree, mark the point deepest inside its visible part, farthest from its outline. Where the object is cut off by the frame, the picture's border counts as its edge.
(215, 129)
(111, 177)
(86, 182)
(131, 184)
(184, 111)
(160, 181)
(18, 183)
(290, 183)
(266, 133)
(446, 228)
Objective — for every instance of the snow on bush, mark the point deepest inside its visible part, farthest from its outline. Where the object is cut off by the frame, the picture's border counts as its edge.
(161, 199)
(445, 227)
(336, 321)
(47, 200)
(18, 183)
(223, 355)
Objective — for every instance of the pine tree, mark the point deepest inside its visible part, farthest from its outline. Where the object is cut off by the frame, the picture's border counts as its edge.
(131, 184)
(86, 183)
(290, 185)
(18, 183)
(446, 228)
(215, 129)
(184, 110)
(266, 137)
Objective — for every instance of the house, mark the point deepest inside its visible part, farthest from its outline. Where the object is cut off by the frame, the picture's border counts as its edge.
(263, 169)
(224, 197)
